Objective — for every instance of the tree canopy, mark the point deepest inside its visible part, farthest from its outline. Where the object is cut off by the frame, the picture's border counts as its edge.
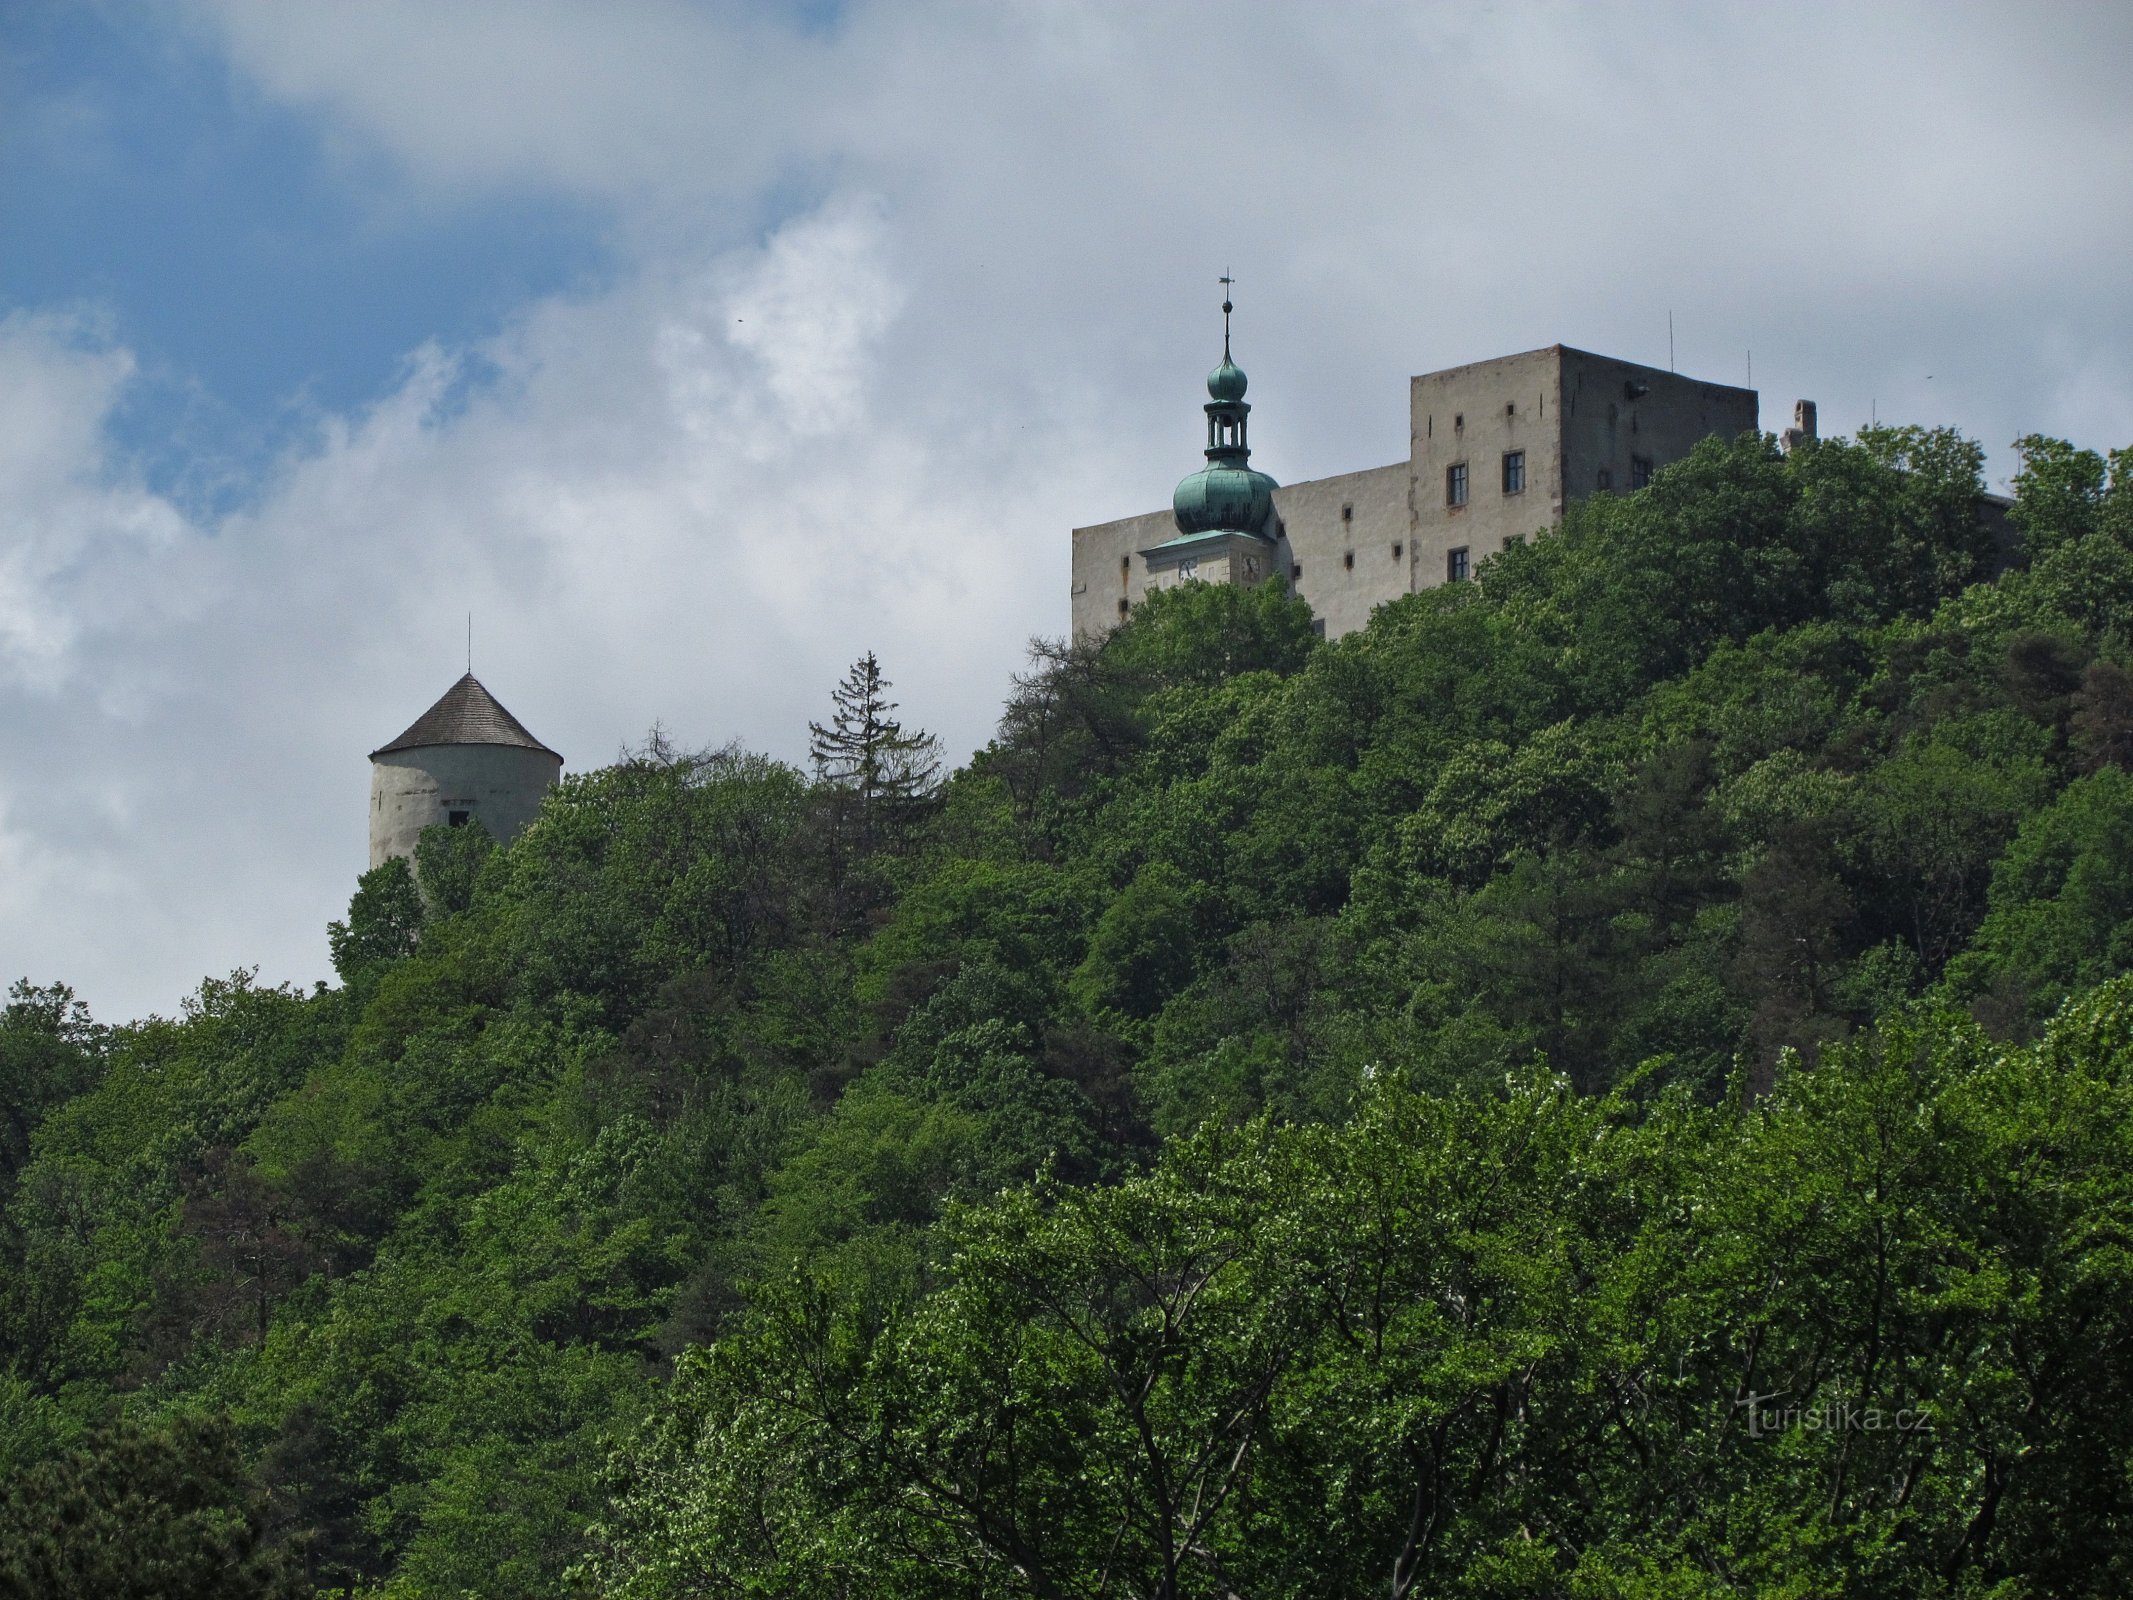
(1609, 1081)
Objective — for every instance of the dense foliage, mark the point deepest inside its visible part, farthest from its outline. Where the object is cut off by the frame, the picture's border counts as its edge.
(1610, 1081)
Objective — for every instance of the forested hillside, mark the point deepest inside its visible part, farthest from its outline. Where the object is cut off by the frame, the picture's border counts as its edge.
(1612, 1081)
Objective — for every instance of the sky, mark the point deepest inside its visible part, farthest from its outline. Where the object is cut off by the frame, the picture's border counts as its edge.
(695, 349)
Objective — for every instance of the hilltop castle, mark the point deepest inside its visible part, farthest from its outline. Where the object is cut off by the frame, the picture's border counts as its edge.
(1497, 449)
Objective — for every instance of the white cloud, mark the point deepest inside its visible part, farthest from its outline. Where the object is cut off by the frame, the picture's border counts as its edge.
(683, 500)
(66, 510)
(904, 297)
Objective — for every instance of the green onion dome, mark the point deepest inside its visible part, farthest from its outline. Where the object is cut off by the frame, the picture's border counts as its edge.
(1224, 497)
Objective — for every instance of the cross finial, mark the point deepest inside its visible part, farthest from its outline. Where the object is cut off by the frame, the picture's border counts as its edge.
(1225, 280)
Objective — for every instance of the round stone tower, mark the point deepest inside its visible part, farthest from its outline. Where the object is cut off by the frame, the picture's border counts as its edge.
(465, 757)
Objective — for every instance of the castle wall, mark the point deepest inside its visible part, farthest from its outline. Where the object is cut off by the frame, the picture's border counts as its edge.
(1350, 543)
(1580, 424)
(415, 789)
(1108, 568)
(1316, 536)
(1474, 417)
(1606, 427)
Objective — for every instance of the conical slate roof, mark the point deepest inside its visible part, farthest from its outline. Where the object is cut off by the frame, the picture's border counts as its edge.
(468, 714)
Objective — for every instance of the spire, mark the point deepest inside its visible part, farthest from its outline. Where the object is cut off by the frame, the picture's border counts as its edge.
(1226, 495)
(1225, 391)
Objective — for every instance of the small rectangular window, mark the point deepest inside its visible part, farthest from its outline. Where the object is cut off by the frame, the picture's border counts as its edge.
(1296, 573)
(1455, 565)
(1455, 484)
(1640, 471)
(456, 819)
(1510, 539)
(1510, 408)
(1347, 513)
(1398, 551)
(1348, 560)
(1514, 472)
(1121, 605)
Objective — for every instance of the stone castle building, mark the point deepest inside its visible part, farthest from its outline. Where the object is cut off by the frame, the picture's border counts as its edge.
(1496, 450)
(465, 757)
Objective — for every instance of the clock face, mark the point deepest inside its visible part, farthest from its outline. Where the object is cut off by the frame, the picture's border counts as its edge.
(1188, 569)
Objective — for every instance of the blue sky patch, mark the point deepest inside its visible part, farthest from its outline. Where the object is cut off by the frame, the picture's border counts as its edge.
(260, 279)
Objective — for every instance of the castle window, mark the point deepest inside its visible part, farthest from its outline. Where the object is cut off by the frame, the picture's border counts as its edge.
(1510, 408)
(1458, 421)
(1398, 551)
(1640, 471)
(1514, 472)
(1510, 539)
(1607, 478)
(1125, 564)
(1348, 560)
(1455, 565)
(1455, 484)
(1347, 513)
(456, 819)
(1296, 573)
(1121, 605)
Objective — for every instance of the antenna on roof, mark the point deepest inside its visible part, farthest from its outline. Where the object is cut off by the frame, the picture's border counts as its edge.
(1226, 281)
(1670, 338)
(470, 644)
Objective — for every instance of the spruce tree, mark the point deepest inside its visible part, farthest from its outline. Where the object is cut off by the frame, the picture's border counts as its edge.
(886, 775)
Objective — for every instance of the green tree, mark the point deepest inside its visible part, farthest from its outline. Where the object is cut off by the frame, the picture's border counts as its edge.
(884, 776)
(448, 861)
(2059, 493)
(1511, 1343)
(2061, 917)
(384, 920)
(1144, 947)
(50, 1051)
(162, 1513)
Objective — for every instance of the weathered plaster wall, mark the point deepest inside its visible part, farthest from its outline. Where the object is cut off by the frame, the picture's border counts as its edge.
(1475, 416)
(414, 789)
(1108, 568)
(1350, 543)
(1606, 424)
